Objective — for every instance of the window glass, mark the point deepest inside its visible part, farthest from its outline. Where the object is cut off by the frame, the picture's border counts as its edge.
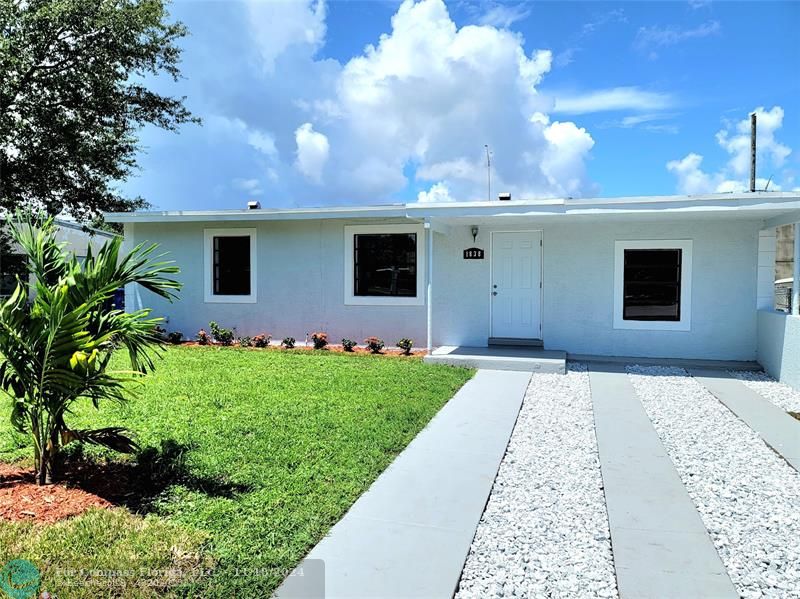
(11, 266)
(385, 264)
(652, 285)
(231, 265)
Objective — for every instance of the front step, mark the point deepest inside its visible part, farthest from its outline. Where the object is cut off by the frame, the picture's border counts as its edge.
(515, 342)
(525, 359)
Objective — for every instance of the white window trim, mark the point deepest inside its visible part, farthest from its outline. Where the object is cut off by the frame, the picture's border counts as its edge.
(350, 299)
(208, 265)
(685, 323)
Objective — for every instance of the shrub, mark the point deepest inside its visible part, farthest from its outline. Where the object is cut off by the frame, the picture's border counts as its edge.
(288, 342)
(374, 344)
(406, 344)
(221, 336)
(57, 337)
(245, 341)
(348, 344)
(160, 332)
(262, 340)
(203, 337)
(175, 337)
(320, 340)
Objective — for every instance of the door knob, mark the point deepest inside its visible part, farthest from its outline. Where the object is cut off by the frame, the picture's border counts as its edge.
(494, 293)
(495, 286)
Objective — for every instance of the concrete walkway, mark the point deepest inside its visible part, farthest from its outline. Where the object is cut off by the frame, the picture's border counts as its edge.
(778, 429)
(409, 534)
(661, 546)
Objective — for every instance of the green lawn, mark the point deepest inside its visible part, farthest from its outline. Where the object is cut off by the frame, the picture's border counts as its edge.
(269, 449)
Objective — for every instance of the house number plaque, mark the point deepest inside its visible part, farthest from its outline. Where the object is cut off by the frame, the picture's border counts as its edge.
(473, 254)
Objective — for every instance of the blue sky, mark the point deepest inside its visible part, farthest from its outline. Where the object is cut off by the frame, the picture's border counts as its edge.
(348, 102)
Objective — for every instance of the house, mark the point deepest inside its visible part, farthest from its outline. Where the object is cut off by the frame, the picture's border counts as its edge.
(76, 237)
(661, 277)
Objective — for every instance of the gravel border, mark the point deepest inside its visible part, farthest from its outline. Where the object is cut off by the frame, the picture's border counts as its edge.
(747, 496)
(781, 395)
(545, 532)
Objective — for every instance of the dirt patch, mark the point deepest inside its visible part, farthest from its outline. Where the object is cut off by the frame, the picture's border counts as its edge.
(22, 500)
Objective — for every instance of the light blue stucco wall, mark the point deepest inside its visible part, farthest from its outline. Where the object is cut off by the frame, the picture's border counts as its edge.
(300, 284)
(578, 290)
(779, 346)
(301, 287)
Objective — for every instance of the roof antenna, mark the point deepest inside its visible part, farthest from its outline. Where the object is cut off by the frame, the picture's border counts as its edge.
(753, 152)
(488, 173)
(768, 182)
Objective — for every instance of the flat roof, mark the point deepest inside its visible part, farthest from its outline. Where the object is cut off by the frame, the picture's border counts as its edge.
(756, 205)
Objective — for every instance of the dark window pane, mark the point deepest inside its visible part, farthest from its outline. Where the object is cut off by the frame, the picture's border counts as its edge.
(652, 286)
(385, 264)
(231, 265)
(11, 266)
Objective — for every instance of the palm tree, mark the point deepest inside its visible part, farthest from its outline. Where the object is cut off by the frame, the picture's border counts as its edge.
(58, 332)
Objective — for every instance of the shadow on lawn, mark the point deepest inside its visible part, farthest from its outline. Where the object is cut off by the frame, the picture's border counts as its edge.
(137, 484)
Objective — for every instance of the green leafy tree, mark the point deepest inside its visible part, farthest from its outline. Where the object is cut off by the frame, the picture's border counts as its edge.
(73, 96)
(58, 333)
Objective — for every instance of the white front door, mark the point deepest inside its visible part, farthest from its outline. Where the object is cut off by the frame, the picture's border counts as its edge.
(516, 284)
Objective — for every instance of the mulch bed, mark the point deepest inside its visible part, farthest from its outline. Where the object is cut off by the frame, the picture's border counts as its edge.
(330, 348)
(22, 500)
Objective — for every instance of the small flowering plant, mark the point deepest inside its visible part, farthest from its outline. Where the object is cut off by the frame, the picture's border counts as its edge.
(406, 344)
(288, 342)
(175, 337)
(320, 340)
(245, 341)
(262, 340)
(348, 344)
(203, 338)
(374, 344)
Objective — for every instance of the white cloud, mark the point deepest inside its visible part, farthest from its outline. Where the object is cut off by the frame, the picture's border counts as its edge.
(421, 102)
(735, 140)
(263, 142)
(277, 25)
(649, 38)
(437, 193)
(617, 98)
(312, 151)
(251, 186)
(504, 15)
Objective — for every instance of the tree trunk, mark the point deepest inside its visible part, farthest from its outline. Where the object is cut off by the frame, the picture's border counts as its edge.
(46, 447)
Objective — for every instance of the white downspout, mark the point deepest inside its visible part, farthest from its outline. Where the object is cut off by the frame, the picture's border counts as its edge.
(796, 272)
(429, 294)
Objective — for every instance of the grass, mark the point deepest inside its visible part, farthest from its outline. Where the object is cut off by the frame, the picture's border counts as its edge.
(265, 451)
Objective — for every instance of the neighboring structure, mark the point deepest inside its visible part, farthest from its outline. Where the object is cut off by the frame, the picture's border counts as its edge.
(664, 277)
(77, 237)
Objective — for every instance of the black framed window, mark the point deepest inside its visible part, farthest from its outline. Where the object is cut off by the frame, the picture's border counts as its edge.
(231, 264)
(12, 266)
(652, 285)
(385, 264)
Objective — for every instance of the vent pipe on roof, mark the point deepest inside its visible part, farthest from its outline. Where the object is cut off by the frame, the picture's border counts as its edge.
(504, 197)
(753, 152)
(254, 205)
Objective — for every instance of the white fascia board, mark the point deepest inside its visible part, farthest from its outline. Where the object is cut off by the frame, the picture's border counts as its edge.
(395, 211)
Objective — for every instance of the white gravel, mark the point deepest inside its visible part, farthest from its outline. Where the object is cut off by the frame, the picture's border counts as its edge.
(544, 532)
(781, 395)
(747, 496)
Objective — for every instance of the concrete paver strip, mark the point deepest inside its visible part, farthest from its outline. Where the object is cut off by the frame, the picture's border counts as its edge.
(659, 541)
(778, 429)
(409, 534)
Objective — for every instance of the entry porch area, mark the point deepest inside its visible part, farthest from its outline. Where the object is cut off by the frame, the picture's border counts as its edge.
(500, 357)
